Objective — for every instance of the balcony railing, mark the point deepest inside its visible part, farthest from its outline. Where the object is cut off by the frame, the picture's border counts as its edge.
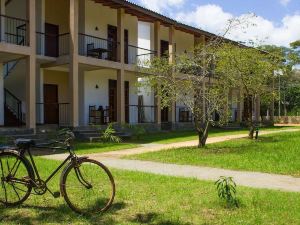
(142, 113)
(53, 113)
(14, 30)
(139, 56)
(96, 47)
(52, 45)
(184, 115)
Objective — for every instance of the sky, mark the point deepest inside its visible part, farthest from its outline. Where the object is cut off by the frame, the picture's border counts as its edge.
(261, 21)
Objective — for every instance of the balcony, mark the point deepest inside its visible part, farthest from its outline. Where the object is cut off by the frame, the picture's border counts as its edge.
(138, 56)
(52, 45)
(96, 47)
(14, 30)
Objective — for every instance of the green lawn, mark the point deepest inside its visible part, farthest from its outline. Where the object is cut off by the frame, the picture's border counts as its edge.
(82, 148)
(277, 153)
(180, 136)
(158, 200)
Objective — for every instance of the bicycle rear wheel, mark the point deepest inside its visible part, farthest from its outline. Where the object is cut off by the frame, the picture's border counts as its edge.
(88, 187)
(15, 176)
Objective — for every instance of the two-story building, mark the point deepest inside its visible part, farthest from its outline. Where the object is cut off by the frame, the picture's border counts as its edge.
(73, 62)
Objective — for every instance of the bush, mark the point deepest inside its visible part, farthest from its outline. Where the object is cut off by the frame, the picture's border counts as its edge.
(226, 188)
(109, 135)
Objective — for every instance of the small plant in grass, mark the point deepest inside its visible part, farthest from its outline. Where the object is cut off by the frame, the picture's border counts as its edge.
(109, 135)
(227, 191)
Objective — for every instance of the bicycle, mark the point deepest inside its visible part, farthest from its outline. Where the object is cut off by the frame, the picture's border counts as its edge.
(86, 184)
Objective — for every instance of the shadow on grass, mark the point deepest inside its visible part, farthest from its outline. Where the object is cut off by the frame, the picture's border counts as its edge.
(31, 214)
(154, 219)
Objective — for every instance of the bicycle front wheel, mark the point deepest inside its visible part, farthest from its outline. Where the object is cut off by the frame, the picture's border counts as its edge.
(88, 187)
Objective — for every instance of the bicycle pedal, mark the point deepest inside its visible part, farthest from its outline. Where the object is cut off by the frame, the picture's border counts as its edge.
(56, 194)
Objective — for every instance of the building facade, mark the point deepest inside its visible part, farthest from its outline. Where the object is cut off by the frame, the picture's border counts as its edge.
(73, 63)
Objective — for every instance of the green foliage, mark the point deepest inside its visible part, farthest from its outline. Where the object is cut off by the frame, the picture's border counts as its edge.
(108, 135)
(137, 131)
(226, 188)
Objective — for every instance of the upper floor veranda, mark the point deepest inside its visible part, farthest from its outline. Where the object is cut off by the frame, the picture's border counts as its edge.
(97, 32)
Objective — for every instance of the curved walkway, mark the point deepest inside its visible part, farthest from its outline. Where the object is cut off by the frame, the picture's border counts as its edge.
(244, 178)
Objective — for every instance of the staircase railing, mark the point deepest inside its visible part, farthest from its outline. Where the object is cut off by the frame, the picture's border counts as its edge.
(9, 67)
(14, 105)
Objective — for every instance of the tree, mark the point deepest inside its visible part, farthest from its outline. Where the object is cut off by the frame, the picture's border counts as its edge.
(183, 81)
(248, 69)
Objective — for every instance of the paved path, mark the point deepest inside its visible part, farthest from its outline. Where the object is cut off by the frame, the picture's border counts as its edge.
(243, 178)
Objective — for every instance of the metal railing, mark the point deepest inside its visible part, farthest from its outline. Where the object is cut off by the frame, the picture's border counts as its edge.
(60, 113)
(14, 30)
(184, 115)
(13, 104)
(142, 113)
(62, 44)
(96, 47)
(9, 67)
(139, 56)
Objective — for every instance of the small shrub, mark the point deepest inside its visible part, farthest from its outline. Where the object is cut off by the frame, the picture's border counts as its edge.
(137, 131)
(226, 188)
(109, 136)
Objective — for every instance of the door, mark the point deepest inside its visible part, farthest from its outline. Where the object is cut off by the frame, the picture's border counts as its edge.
(127, 101)
(165, 115)
(51, 111)
(164, 48)
(112, 37)
(51, 40)
(112, 95)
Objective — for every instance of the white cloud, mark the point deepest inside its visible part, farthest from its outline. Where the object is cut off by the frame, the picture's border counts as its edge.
(160, 5)
(214, 19)
(284, 2)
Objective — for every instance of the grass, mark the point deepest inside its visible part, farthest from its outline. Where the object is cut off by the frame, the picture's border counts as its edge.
(82, 148)
(277, 153)
(181, 136)
(159, 200)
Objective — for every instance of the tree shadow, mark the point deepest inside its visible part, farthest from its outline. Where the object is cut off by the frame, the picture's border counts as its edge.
(33, 214)
(154, 219)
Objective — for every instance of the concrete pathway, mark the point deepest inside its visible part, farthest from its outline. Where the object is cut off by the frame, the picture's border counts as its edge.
(243, 178)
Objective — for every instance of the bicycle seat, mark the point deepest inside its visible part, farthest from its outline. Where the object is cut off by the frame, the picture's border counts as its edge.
(25, 143)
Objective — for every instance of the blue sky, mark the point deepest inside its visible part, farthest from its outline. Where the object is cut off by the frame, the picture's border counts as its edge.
(276, 21)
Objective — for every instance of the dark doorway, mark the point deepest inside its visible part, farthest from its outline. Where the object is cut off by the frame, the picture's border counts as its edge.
(51, 111)
(51, 40)
(112, 95)
(112, 37)
(127, 101)
(126, 41)
(164, 48)
(165, 115)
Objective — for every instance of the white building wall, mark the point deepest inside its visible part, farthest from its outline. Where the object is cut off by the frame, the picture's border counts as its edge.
(99, 96)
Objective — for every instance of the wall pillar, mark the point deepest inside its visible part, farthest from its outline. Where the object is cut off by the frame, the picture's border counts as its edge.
(157, 100)
(257, 109)
(31, 68)
(1, 96)
(172, 108)
(74, 66)
(240, 106)
(121, 72)
(82, 108)
(2, 11)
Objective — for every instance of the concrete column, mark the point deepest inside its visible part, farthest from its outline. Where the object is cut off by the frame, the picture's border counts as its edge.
(157, 100)
(2, 10)
(74, 66)
(172, 108)
(82, 108)
(240, 106)
(257, 109)
(31, 68)
(1, 96)
(121, 72)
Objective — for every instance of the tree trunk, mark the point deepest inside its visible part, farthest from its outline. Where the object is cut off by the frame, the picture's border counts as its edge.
(203, 135)
(250, 119)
